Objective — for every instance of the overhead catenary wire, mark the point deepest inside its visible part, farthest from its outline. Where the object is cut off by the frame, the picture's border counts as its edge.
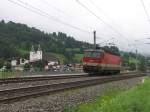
(98, 8)
(55, 8)
(145, 10)
(108, 25)
(106, 15)
(56, 19)
(61, 11)
(44, 14)
(47, 15)
(148, 18)
(100, 19)
(106, 41)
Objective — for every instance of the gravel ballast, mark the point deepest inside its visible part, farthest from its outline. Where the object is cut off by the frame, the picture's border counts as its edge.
(57, 102)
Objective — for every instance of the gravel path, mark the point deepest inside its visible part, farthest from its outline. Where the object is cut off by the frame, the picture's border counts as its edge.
(57, 102)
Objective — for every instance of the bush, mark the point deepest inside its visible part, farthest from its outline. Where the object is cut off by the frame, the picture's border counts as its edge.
(40, 64)
(8, 65)
(27, 66)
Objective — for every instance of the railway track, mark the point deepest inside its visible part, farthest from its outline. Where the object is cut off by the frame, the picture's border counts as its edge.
(16, 94)
(42, 78)
(39, 78)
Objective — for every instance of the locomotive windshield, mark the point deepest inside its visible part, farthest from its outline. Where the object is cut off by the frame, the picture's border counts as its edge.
(92, 54)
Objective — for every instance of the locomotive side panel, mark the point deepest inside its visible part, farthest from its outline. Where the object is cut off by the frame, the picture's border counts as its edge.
(111, 62)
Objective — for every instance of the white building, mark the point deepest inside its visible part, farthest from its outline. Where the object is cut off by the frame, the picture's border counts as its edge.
(19, 62)
(52, 63)
(13, 62)
(35, 55)
(23, 61)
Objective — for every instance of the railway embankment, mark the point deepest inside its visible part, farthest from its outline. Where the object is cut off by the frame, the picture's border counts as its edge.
(135, 99)
(67, 99)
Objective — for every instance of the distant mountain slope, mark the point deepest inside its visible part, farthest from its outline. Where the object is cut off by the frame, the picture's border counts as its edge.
(16, 40)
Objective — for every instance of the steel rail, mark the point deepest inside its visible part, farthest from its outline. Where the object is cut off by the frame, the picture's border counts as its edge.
(41, 78)
(38, 78)
(27, 92)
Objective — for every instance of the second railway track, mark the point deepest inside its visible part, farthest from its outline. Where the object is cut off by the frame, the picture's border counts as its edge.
(26, 92)
(39, 78)
(42, 78)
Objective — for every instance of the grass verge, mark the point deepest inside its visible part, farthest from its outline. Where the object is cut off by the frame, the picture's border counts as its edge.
(136, 99)
(7, 74)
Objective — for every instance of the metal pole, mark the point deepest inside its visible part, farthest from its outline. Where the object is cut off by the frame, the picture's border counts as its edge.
(136, 62)
(94, 32)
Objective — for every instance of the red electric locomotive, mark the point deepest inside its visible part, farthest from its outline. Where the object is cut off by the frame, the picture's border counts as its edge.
(99, 61)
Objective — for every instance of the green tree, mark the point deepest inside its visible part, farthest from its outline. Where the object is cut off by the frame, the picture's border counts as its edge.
(1, 63)
(142, 66)
(8, 65)
(40, 64)
(110, 49)
(27, 66)
(16, 40)
(132, 66)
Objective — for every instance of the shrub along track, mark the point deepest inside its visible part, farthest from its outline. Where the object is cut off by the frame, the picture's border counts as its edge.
(16, 94)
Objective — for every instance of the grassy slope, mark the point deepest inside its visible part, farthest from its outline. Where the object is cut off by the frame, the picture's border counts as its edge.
(73, 49)
(23, 52)
(78, 57)
(8, 74)
(133, 60)
(134, 100)
(61, 57)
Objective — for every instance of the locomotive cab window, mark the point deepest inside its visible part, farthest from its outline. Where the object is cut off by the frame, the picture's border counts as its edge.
(92, 54)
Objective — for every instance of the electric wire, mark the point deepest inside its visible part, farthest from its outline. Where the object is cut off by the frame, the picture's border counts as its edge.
(108, 25)
(55, 8)
(60, 11)
(111, 27)
(44, 14)
(55, 19)
(98, 8)
(105, 41)
(99, 18)
(145, 10)
(47, 15)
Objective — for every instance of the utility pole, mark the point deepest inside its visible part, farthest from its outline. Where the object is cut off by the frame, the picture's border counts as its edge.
(136, 62)
(94, 32)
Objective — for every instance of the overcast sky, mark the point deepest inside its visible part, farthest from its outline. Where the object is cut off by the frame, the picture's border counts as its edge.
(123, 20)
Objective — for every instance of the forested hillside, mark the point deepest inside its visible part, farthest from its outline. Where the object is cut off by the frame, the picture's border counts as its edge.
(16, 40)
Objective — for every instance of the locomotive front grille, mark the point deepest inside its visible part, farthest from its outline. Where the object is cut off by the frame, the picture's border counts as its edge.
(91, 68)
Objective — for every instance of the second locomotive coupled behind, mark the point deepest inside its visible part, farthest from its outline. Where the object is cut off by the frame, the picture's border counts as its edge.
(99, 61)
